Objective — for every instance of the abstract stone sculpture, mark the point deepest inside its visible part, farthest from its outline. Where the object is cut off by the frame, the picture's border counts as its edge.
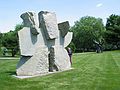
(42, 44)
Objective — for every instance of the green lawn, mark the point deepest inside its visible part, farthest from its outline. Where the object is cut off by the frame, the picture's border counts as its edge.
(91, 71)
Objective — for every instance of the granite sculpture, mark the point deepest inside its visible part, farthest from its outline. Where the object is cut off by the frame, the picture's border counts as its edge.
(42, 44)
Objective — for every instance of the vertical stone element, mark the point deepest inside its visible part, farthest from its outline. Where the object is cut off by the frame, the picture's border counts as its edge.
(25, 43)
(65, 35)
(28, 35)
(48, 23)
(61, 58)
(34, 52)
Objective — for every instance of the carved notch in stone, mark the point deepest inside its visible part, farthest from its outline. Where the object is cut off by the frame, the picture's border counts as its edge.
(29, 20)
(64, 28)
(52, 65)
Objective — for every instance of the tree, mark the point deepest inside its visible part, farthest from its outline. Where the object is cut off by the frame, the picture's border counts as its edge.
(0, 40)
(112, 34)
(18, 27)
(72, 46)
(86, 30)
(10, 39)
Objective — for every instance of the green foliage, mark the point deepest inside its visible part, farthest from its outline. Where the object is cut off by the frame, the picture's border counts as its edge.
(10, 39)
(86, 30)
(91, 72)
(112, 34)
(18, 27)
(72, 46)
(1, 40)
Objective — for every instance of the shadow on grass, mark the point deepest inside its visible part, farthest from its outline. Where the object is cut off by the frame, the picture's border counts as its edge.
(11, 73)
(10, 56)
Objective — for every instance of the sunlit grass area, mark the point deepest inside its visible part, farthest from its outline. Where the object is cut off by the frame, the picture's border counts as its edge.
(92, 71)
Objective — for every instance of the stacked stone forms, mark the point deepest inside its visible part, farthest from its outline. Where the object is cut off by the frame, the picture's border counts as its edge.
(42, 44)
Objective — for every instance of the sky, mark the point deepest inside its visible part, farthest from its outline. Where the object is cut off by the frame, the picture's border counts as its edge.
(66, 10)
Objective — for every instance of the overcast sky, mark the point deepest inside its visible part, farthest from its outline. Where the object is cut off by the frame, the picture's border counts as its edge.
(70, 10)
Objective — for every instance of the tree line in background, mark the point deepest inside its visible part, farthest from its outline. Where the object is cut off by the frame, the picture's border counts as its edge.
(90, 30)
(86, 33)
(9, 41)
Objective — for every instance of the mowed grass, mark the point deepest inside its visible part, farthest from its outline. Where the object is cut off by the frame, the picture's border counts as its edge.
(91, 71)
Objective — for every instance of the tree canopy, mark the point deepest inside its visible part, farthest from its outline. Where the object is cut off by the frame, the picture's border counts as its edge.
(0, 39)
(10, 39)
(112, 34)
(87, 30)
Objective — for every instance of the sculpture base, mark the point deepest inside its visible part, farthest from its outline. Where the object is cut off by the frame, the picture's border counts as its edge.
(23, 77)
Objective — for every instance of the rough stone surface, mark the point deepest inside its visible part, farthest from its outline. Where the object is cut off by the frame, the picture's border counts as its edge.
(28, 42)
(31, 36)
(29, 19)
(43, 47)
(48, 22)
(37, 64)
(61, 58)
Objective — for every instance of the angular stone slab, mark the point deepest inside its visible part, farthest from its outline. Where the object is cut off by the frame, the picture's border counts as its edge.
(68, 39)
(29, 19)
(25, 42)
(48, 23)
(64, 28)
(28, 42)
(37, 64)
